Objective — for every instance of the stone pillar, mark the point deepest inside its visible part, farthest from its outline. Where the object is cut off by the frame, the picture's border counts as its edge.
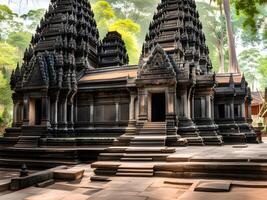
(26, 102)
(249, 111)
(232, 111)
(171, 102)
(132, 108)
(15, 112)
(71, 116)
(117, 111)
(45, 111)
(91, 112)
(184, 102)
(193, 107)
(143, 98)
(54, 113)
(62, 117)
(208, 107)
(203, 107)
(243, 112)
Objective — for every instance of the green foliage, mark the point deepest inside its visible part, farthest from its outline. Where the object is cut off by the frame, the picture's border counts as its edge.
(34, 17)
(250, 9)
(108, 21)
(263, 70)
(216, 27)
(104, 14)
(5, 13)
(8, 55)
(5, 92)
(249, 63)
(19, 39)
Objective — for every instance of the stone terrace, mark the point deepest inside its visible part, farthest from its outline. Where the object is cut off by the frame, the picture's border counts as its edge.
(122, 188)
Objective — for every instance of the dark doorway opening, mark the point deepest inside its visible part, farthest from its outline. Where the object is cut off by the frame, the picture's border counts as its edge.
(38, 111)
(158, 107)
(221, 109)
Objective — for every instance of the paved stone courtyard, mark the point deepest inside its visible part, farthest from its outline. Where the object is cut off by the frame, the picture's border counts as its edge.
(155, 188)
(125, 188)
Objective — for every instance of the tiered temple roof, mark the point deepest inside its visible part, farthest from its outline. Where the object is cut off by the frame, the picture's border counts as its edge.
(176, 27)
(65, 43)
(112, 51)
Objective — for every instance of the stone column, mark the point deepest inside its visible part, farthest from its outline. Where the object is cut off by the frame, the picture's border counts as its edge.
(184, 102)
(71, 116)
(232, 111)
(171, 102)
(208, 107)
(249, 111)
(117, 111)
(26, 102)
(45, 111)
(62, 117)
(193, 107)
(132, 108)
(243, 112)
(54, 113)
(91, 112)
(203, 107)
(15, 112)
(143, 98)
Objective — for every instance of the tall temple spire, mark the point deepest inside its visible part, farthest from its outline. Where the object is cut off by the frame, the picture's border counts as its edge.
(66, 42)
(176, 27)
(112, 51)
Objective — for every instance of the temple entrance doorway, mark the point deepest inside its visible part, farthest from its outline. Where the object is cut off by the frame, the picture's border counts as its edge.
(158, 107)
(38, 111)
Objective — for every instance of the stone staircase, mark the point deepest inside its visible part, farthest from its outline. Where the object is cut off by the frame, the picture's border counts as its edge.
(28, 142)
(136, 154)
(135, 171)
(146, 145)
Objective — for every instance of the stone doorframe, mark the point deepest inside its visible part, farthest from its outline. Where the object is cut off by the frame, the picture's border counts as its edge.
(145, 95)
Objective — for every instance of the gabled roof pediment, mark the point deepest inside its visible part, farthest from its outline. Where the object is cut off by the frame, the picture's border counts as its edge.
(157, 66)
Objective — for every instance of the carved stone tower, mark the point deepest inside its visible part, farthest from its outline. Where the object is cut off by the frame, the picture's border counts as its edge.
(65, 44)
(177, 29)
(112, 51)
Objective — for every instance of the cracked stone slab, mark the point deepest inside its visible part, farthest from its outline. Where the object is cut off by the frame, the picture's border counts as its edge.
(213, 186)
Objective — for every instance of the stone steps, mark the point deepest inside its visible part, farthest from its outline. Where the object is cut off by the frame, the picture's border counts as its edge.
(231, 169)
(132, 157)
(134, 174)
(28, 142)
(147, 143)
(135, 171)
(127, 159)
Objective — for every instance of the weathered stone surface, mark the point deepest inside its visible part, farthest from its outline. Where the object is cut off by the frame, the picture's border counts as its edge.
(33, 179)
(69, 174)
(213, 186)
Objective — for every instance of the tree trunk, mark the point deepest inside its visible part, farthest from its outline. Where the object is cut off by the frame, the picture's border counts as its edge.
(221, 47)
(221, 58)
(233, 63)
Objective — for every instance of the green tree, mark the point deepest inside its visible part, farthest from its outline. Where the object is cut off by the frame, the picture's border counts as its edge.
(263, 70)
(214, 24)
(20, 40)
(5, 13)
(249, 63)
(104, 15)
(33, 17)
(8, 56)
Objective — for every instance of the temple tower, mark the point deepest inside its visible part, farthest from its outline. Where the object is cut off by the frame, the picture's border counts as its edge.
(112, 51)
(65, 44)
(177, 29)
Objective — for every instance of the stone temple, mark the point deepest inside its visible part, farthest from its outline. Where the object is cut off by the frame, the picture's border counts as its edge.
(75, 95)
